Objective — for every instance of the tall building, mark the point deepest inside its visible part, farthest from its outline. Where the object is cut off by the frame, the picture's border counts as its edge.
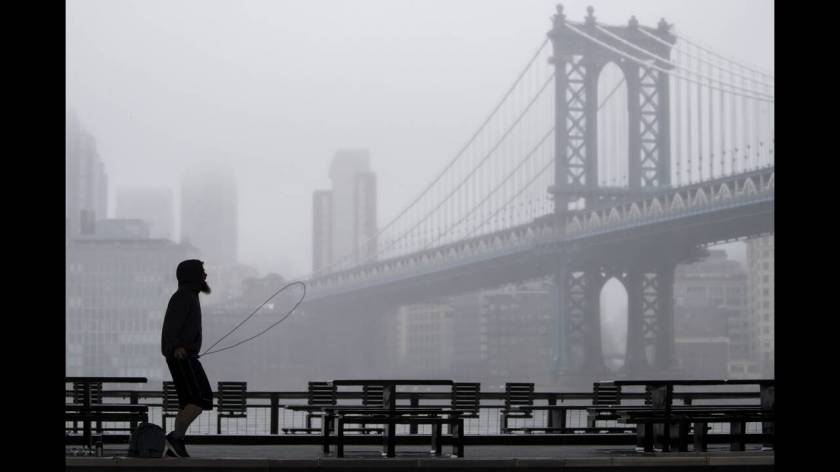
(344, 218)
(228, 281)
(710, 318)
(114, 228)
(517, 332)
(86, 182)
(118, 287)
(153, 205)
(321, 229)
(469, 322)
(209, 214)
(761, 283)
(425, 338)
(490, 336)
(263, 361)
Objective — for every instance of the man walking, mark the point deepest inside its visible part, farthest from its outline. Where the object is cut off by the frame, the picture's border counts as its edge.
(180, 345)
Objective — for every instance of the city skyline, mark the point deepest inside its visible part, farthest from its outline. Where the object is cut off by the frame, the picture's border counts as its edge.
(248, 109)
(491, 219)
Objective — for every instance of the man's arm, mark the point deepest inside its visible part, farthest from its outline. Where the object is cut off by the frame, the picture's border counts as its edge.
(176, 315)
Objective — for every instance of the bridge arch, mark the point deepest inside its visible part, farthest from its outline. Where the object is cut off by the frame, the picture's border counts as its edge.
(613, 156)
(614, 315)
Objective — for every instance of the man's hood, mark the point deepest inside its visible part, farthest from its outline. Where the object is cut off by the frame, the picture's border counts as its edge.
(190, 274)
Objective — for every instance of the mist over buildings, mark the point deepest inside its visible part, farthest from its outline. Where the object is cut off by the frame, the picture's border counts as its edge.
(274, 139)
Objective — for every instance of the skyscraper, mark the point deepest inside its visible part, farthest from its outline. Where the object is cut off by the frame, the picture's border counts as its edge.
(344, 218)
(118, 286)
(761, 283)
(153, 205)
(321, 229)
(710, 318)
(209, 214)
(86, 182)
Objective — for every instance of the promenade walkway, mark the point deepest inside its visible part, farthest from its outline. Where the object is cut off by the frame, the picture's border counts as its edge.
(496, 458)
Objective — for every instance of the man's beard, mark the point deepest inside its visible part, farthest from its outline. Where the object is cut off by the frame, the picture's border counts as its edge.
(205, 288)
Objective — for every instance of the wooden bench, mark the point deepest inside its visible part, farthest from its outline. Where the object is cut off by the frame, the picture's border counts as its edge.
(518, 396)
(319, 394)
(661, 394)
(91, 390)
(466, 398)
(737, 417)
(436, 417)
(373, 396)
(522, 401)
(680, 419)
(104, 412)
(322, 395)
(169, 403)
(87, 406)
(232, 402)
(464, 403)
(606, 396)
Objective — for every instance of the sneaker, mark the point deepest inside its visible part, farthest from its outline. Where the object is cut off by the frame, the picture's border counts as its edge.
(175, 447)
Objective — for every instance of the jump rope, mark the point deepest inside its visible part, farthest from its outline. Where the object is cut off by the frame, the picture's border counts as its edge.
(208, 351)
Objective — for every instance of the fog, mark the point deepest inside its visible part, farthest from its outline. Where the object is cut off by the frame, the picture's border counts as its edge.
(276, 88)
(267, 92)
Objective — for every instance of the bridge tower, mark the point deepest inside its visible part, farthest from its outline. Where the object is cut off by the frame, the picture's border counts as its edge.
(647, 275)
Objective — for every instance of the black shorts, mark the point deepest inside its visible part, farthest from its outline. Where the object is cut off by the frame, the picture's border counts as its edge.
(190, 382)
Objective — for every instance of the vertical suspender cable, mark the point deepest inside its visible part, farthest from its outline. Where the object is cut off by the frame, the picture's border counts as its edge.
(689, 129)
(757, 118)
(745, 150)
(771, 120)
(699, 127)
(711, 129)
(677, 126)
(721, 101)
(733, 123)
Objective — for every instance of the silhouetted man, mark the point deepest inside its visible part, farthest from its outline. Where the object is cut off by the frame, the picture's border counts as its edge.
(180, 344)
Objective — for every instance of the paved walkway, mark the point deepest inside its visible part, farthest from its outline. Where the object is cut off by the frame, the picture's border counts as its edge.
(496, 458)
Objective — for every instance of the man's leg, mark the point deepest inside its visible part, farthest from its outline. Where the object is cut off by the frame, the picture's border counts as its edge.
(184, 418)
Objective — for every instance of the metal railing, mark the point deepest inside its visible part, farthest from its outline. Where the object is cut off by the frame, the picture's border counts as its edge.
(267, 412)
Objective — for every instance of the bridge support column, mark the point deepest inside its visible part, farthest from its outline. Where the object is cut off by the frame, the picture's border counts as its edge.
(650, 324)
(593, 358)
(561, 346)
(579, 325)
(635, 360)
(665, 359)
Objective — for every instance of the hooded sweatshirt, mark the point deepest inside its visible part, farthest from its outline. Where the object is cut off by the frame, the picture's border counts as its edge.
(182, 322)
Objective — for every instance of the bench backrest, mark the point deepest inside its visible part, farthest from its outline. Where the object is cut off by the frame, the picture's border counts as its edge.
(373, 395)
(518, 394)
(232, 400)
(465, 396)
(321, 393)
(95, 392)
(170, 399)
(606, 393)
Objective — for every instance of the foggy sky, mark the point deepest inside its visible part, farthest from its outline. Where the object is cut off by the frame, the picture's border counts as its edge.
(275, 88)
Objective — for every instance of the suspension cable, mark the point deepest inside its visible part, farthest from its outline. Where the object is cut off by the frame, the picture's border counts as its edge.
(672, 64)
(700, 59)
(451, 163)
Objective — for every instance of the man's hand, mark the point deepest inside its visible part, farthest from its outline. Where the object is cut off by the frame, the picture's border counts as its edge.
(180, 353)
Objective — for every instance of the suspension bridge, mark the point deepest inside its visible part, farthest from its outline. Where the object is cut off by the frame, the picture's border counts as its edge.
(619, 151)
